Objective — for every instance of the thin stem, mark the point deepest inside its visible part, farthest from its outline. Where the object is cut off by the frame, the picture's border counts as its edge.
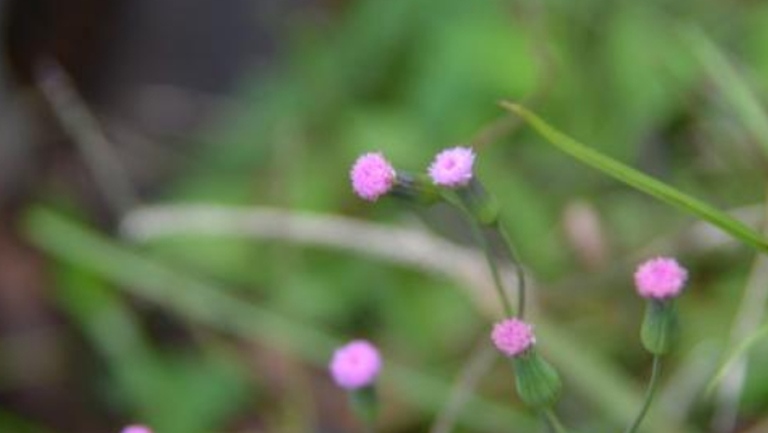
(462, 200)
(521, 284)
(489, 257)
(652, 385)
(554, 422)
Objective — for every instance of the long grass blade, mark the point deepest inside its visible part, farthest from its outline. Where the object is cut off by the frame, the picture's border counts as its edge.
(639, 180)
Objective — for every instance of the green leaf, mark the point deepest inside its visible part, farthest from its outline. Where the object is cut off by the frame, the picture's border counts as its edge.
(639, 180)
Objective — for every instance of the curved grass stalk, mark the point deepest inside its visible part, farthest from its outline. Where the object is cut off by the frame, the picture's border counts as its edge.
(639, 180)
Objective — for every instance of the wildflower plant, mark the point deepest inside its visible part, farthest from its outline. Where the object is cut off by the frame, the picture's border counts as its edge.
(355, 368)
(538, 384)
(660, 281)
(453, 181)
(451, 178)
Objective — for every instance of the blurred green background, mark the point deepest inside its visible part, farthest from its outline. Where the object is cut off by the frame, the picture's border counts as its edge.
(220, 327)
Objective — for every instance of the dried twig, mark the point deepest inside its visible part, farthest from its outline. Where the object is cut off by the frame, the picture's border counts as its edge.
(406, 246)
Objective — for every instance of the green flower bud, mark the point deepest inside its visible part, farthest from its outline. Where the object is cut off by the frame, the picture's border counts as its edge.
(538, 383)
(660, 326)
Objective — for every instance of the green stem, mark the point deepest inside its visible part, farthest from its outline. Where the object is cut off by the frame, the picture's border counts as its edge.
(513, 257)
(554, 422)
(489, 257)
(652, 385)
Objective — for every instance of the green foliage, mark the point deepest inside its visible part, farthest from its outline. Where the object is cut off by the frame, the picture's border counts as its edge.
(409, 77)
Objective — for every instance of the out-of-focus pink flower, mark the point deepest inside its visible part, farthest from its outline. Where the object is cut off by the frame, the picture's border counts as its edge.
(136, 429)
(372, 176)
(660, 278)
(355, 365)
(452, 167)
(513, 337)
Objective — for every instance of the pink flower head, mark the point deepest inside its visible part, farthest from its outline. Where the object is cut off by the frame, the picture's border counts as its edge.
(513, 336)
(660, 278)
(136, 429)
(355, 365)
(372, 176)
(452, 167)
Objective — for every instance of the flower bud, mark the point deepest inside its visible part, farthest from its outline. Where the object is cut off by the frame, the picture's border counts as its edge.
(538, 383)
(660, 280)
(372, 176)
(660, 326)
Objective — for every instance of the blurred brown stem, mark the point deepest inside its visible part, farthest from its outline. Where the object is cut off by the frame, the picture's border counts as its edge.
(84, 130)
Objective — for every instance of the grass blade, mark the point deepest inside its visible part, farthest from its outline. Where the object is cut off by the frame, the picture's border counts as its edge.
(639, 180)
(740, 351)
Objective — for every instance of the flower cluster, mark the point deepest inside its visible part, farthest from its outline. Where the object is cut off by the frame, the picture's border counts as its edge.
(373, 176)
(452, 167)
(513, 337)
(355, 365)
(660, 278)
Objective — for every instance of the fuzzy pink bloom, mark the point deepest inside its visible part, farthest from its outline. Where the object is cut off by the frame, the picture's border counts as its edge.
(660, 278)
(372, 176)
(513, 336)
(355, 365)
(136, 429)
(452, 167)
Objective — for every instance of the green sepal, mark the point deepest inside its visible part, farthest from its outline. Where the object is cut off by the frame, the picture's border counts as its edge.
(660, 326)
(364, 403)
(415, 188)
(479, 202)
(538, 383)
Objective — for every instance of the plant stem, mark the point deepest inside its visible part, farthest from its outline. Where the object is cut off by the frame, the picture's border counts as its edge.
(489, 257)
(652, 385)
(521, 286)
(554, 422)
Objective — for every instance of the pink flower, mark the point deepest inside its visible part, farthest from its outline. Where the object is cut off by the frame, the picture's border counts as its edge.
(452, 167)
(372, 176)
(355, 365)
(136, 429)
(513, 336)
(660, 278)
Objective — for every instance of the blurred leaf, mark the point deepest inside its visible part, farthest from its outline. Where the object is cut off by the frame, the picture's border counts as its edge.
(203, 302)
(200, 301)
(736, 354)
(10, 422)
(650, 83)
(732, 85)
(641, 181)
(174, 393)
